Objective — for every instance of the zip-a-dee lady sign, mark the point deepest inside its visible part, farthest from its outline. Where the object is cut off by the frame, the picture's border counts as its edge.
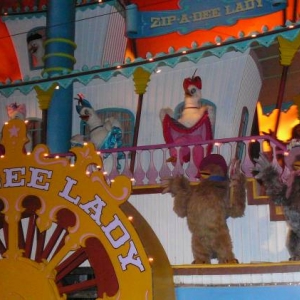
(56, 217)
(196, 15)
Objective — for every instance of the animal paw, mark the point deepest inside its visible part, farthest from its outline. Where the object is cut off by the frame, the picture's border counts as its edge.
(175, 185)
(261, 164)
(235, 168)
(200, 262)
(233, 261)
(235, 174)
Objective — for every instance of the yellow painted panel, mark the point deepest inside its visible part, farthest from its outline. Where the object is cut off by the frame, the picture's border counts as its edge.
(88, 196)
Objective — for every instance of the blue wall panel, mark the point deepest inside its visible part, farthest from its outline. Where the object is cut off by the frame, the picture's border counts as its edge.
(239, 293)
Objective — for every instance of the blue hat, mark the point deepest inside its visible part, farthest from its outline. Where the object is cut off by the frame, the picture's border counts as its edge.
(82, 103)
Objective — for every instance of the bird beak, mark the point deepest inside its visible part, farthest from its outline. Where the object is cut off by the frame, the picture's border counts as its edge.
(204, 174)
(84, 117)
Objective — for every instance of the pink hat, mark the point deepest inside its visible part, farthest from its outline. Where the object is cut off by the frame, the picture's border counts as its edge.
(214, 159)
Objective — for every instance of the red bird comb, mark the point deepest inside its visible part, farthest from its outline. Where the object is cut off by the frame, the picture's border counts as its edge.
(192, 81)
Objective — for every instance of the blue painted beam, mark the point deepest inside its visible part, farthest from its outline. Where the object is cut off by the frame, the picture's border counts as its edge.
(59, 59)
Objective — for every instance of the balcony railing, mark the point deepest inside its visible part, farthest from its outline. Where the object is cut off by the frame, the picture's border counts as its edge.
(151, 164)
(147, 166)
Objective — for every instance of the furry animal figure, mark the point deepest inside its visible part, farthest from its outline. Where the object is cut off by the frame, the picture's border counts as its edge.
(286, 194)
(206, 207)
(104, 135)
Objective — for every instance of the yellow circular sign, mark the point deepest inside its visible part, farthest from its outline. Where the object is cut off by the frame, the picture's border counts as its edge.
(56, 216)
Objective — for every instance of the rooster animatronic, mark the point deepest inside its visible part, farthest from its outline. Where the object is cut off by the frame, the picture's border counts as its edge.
(104, 135)
(286, 193)
(207, 205)
(193, 125)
